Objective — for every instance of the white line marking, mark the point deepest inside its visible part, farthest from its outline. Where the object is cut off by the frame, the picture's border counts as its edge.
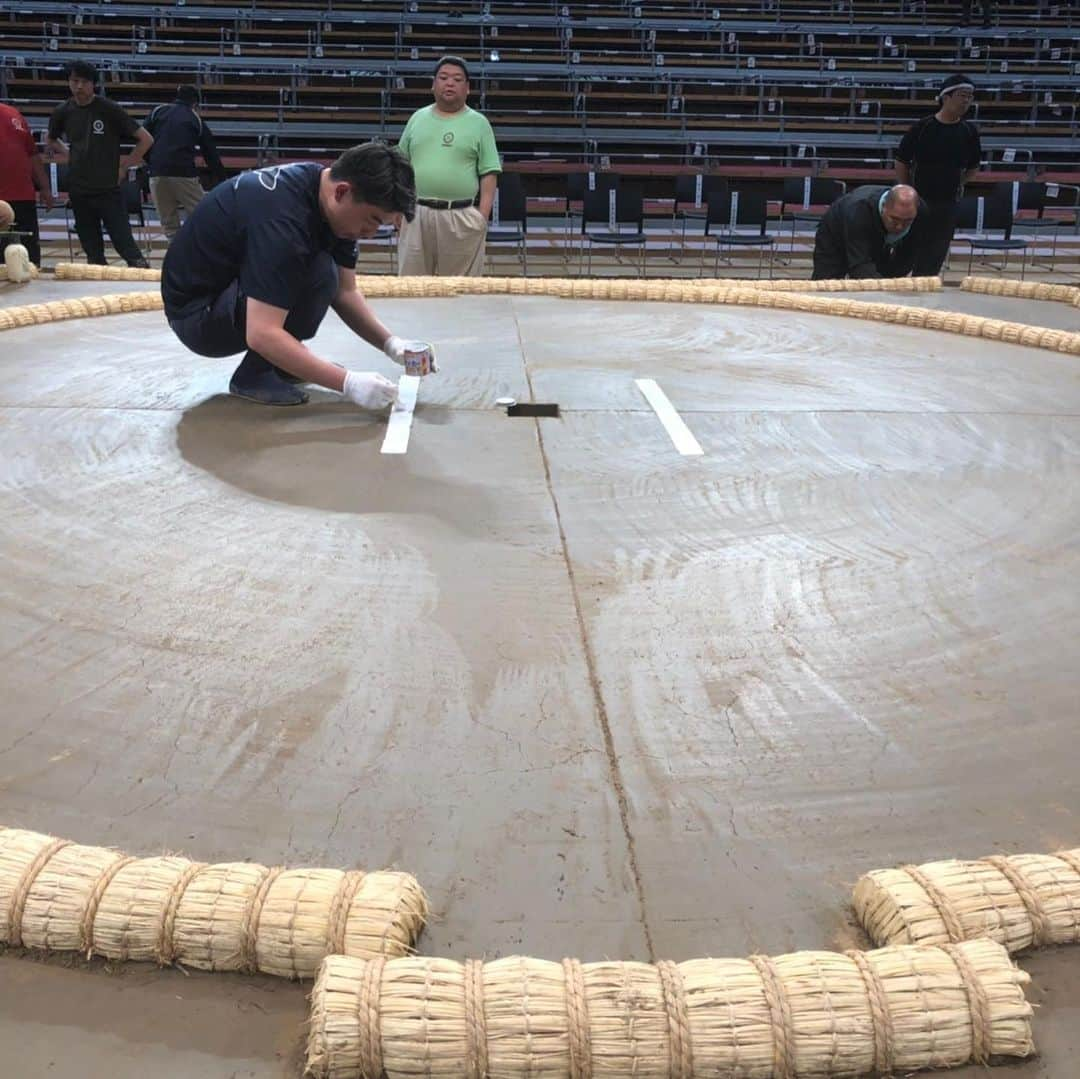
(680, 434)
(397, 430)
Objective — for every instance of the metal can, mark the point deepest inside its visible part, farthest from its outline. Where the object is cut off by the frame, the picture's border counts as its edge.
(417, 358)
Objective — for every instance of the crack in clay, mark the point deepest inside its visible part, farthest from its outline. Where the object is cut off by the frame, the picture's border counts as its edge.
(18, 741)
(594, 680)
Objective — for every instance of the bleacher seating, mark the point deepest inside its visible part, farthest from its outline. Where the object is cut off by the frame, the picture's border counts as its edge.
(750, 90)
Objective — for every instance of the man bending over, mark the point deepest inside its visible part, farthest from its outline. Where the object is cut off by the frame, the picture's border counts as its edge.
(265, 255)
(869, 232)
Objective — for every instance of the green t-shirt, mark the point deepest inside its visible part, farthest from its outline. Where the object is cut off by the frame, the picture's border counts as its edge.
(449, 154)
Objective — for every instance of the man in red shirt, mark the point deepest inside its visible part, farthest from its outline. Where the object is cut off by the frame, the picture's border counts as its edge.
(20, 169)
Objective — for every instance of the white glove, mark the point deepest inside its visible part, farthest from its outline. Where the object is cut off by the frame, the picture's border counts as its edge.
(369, 389)
(394, 349)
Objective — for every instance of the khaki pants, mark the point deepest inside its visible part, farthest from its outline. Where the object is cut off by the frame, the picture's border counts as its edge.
(171, 194)
(447, 243)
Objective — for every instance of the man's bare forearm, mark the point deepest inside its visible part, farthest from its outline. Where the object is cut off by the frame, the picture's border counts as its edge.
(280, 348)
(359, 316)
(41, 178)
(488, 186)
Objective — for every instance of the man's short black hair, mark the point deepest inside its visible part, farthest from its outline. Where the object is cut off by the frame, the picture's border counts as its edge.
(187, 93)
(81, 69)
(456, 61)
(379, 174)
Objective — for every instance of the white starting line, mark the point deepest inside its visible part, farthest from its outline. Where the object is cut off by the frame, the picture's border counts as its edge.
(680, 434)
(397, 430)
(401, 417)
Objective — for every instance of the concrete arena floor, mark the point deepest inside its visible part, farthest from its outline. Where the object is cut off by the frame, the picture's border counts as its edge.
(843, 638)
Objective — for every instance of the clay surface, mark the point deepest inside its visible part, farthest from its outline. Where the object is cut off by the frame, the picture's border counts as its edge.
(603, 700)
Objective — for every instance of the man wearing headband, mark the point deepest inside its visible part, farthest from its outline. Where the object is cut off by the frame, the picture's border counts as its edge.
(937, 157)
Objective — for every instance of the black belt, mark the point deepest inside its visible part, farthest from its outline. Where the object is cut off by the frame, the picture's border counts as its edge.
(445, 204)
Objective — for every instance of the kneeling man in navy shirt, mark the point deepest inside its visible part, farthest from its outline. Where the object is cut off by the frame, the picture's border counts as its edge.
(265, 255)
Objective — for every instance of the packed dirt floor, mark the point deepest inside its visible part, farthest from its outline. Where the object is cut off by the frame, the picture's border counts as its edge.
(602, 699)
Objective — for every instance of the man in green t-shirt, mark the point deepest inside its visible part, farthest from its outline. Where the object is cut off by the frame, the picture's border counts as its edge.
(453, 154)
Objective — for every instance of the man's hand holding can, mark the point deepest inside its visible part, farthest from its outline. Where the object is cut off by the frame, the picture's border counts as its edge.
(417, 357)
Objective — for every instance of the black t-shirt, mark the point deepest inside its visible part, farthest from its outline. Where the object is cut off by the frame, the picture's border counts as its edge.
(93, 133)
(179, 132)
(263, 229)
(938, 155)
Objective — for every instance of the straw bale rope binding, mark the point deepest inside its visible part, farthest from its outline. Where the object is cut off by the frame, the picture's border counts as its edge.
(1026, 290)
(614, 289)
(805, 1014)
(78, 271)
(675, 290)
(1021, 901)
(377, 285)
(35, 314)
(62, 896)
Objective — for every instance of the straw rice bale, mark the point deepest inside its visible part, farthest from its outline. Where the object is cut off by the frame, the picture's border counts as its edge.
(87, 307)
(64, 896)
(803, 1014)
(784, 295)
(615, 288)
(1021, 901)
(382, 285)
(1027, 290)
(81, 271)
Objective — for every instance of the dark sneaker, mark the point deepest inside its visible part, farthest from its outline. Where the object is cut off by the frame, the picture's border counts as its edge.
(292, 380)
(267, 389)
(139, 264)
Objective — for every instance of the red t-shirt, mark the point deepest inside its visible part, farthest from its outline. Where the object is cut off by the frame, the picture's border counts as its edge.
(16, 149)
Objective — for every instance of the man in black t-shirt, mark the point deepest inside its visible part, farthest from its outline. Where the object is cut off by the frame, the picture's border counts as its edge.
(266, 254)
(94, 127)
(937, 157)
(179, 134)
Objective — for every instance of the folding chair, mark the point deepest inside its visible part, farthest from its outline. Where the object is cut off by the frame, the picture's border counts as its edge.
(510, 216)
(386, 237)
(130, 192)
(724, 216)
(577, 184)
(69, 220)
(983, 216)
(801, 194)
(622, 211)
(1033, 195)
(692, 193)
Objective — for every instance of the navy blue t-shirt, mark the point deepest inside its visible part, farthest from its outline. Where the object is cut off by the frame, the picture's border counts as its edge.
(262, 228)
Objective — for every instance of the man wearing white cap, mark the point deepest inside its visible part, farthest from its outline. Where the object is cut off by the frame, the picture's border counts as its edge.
(937, 157)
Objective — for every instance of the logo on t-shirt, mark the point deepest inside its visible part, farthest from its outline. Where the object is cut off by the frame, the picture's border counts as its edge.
(99, 127)
(268, 177)
(448, 139)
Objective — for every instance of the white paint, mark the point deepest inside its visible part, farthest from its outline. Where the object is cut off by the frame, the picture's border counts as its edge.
(679, 433)
(401, 415)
